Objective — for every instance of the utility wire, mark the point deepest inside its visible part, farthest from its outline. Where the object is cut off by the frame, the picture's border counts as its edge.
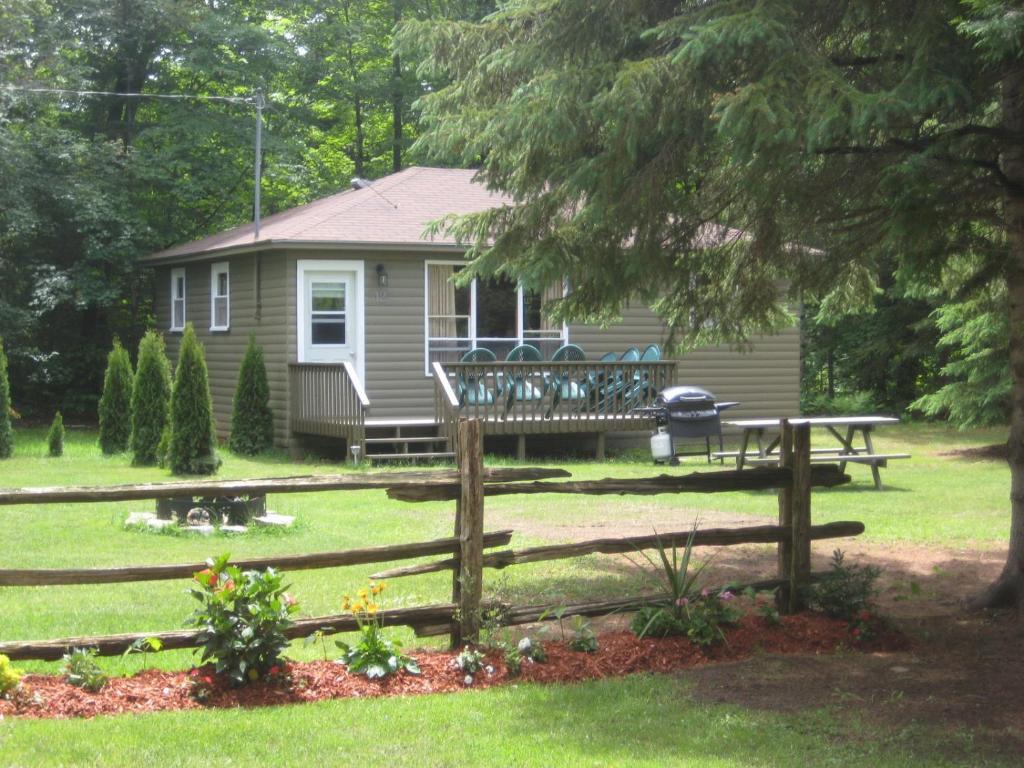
(169, 96)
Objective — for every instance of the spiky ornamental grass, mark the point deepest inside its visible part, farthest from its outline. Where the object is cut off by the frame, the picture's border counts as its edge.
(151, 400)
(55, 437)
(6, 430)
(252, 421)
(116, 401)
(192, 449)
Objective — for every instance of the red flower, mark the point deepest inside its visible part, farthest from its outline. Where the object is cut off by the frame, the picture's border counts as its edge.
(275, 670)
(865, 615)
(856, 633)
(207, 679)
(194, 672)
(227, 586)
(206, 577)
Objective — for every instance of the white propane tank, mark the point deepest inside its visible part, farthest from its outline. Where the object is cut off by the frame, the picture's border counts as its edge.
(661, 445)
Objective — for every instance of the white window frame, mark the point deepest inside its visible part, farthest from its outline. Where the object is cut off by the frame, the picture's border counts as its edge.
(216, 270)
(473, 338)
(176, 273)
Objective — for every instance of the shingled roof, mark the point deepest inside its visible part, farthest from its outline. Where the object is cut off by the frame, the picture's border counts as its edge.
(392, 211)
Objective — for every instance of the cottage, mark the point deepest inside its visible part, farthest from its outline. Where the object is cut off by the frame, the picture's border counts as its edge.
(363, 329)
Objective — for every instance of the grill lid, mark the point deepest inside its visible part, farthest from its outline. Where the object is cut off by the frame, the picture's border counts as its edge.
(687, 396)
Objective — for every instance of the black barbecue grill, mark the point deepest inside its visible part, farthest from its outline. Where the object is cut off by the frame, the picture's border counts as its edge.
(689, 414)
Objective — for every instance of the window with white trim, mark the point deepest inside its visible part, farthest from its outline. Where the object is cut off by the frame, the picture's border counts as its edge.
(494, 313)
(178, 299)
(220, 297)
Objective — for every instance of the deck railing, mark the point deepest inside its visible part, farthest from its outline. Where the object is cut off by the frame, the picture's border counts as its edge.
(546, 397)
(327, 399)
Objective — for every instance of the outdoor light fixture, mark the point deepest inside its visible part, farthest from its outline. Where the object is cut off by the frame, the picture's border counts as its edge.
(382, 281)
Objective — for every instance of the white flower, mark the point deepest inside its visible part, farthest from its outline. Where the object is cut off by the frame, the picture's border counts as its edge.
(525, 645)
(489, 669)
(468, 680)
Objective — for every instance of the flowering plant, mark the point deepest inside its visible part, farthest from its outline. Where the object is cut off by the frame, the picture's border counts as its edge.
(470, 661)
(242, 619)
(10, 678)
(374, 655)
(862, 625)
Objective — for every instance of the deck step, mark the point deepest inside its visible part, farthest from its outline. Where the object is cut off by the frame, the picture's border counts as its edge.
(403, 439)
(431, 456)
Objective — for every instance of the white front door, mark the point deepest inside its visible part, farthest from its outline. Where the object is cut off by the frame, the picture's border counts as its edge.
(330, 312)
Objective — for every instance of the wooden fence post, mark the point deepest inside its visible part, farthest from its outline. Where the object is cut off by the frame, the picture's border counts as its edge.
(800, 559)
(785, 513)
(467, 591)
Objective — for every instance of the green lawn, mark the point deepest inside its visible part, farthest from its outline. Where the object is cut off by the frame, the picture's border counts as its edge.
(931, 499)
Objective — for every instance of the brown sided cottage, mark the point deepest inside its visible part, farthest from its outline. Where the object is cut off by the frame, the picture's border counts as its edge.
(362, 329)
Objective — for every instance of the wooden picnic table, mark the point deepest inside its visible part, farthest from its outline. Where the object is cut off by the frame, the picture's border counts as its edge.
(844, 429)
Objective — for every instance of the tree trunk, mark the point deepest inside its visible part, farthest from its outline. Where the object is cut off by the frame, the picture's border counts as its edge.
(1008, 590)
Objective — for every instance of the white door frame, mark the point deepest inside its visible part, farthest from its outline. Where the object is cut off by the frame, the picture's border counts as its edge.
(357, 309)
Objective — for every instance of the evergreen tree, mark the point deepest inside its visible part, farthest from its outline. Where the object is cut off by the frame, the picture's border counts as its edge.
(252, 422)
(694, 155)
(55, 437)
(192, 450)
(116, 401)
(6, 431)
(151, 400)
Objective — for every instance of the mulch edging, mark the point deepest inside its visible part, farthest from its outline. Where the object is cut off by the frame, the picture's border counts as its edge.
(619, 653)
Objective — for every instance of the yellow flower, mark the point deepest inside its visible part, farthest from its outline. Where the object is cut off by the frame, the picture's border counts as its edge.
(358, 607)
(254, 675)
(363, 593)
(380, 587)
(371, 608)
(346, 603)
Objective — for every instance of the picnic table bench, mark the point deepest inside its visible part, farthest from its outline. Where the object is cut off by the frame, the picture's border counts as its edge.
(843, 429)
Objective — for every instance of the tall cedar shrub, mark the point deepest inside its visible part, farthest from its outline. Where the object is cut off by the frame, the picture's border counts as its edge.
(252, 422)
(55, 437)
(116, 401)
(193, 443)
(6, 431)
(151, 400)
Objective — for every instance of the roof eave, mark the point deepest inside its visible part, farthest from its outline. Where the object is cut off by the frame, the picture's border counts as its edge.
(157, 259)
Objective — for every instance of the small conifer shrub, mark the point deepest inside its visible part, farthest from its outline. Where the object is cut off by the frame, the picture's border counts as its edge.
(116, 401)
(55, 437)
(6, 431)
(252, 422)
(151, 400)
(192, 450)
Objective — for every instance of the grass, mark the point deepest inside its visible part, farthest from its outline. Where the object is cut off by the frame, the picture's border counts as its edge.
(633, 721)
(931, 499)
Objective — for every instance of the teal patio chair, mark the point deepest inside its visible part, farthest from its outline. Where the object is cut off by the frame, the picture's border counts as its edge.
(640, 390)
(515, 388)
(470, 389)
(565, 386)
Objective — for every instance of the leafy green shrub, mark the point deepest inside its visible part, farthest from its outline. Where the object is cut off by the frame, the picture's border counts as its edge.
(116, 401)
(81, 669)
(252, 422)
(846, 591)
(851, 404)
(151, 400)
(55, 437)
(192, 449)
(583, 640)
(6, 431)
(242, 619)
(9, 676)
(374, 655)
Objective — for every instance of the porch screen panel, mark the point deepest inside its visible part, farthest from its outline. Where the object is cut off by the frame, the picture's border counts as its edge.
(448, 314)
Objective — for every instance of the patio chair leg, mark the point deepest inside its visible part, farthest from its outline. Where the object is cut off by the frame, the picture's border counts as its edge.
(521, 447)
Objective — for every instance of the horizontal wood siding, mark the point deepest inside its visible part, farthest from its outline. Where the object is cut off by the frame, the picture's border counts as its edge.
(225, 349)
(766, 380)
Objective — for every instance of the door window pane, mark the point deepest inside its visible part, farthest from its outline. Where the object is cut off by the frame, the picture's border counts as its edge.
(496, 301)
(327, 314)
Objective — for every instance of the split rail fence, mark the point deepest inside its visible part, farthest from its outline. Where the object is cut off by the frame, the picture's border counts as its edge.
(470, 550)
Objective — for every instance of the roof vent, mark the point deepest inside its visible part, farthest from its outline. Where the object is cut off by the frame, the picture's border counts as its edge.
(358, 183)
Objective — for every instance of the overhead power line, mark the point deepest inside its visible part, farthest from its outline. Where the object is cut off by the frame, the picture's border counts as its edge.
(168, 96)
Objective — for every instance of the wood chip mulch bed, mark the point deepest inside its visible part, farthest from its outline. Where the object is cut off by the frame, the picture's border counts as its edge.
(620, 653)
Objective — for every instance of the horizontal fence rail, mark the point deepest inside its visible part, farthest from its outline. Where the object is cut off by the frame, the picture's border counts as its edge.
(549, 397)
(300, 484)
(717, 537)
(68, 576)
(724, 481)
